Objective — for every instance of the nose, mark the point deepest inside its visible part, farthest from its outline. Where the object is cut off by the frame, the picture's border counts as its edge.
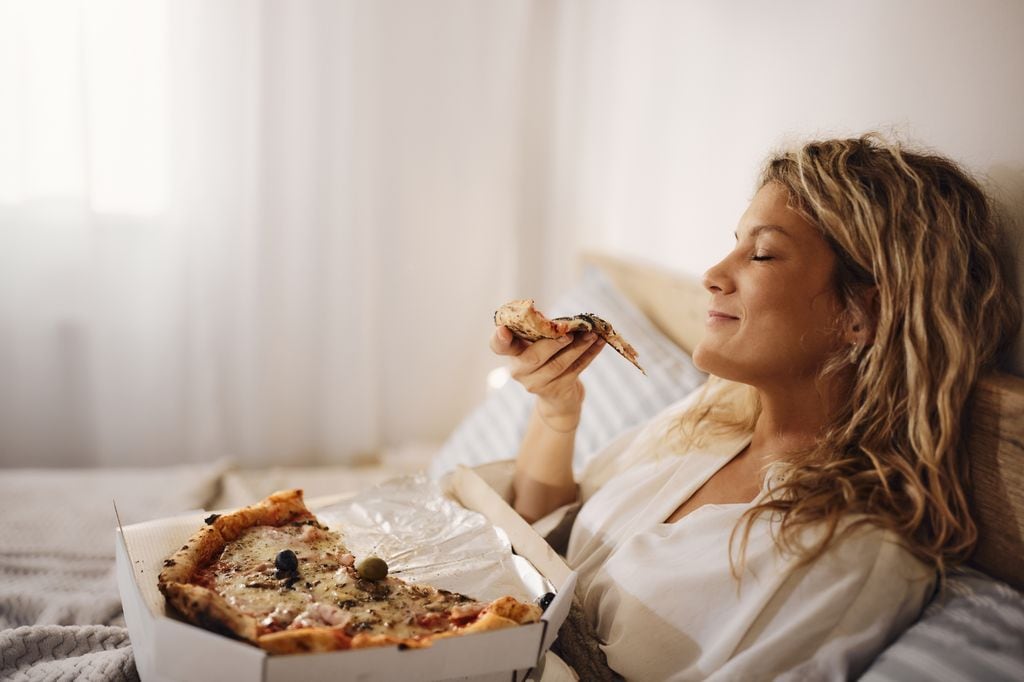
(717, 280)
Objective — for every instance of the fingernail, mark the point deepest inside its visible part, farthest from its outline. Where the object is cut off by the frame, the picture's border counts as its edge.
(564, 339)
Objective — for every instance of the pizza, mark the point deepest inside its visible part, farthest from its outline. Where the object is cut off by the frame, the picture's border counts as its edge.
(526, 322)
(272, 575)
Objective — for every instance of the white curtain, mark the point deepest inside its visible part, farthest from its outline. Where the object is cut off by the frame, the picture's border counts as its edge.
(271, 231)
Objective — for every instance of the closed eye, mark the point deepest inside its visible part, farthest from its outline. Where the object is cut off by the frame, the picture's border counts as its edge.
(761, 258)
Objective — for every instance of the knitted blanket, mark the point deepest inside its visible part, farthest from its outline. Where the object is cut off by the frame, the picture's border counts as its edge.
(60, 612)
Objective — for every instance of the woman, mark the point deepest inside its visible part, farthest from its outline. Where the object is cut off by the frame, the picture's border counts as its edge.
(790, 519)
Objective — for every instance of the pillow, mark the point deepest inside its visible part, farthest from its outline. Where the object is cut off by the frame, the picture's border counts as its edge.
(618, 395)
(975, 631)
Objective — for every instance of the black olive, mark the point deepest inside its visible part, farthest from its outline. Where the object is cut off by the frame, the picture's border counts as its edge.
(286, 561)
(211, 518)
(545, 601)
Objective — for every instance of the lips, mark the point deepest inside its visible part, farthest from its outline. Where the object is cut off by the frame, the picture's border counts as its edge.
(717, 315)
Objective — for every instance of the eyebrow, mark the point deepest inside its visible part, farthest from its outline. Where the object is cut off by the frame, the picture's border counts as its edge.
(767, 227)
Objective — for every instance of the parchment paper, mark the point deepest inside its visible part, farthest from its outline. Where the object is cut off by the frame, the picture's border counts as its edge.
(426, 537)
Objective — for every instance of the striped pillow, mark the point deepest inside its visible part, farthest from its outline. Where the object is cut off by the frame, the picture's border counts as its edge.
(618, 395)
(975, 631)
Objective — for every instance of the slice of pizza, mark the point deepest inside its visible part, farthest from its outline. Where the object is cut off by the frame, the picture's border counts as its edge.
(272, 575)
(526, 322)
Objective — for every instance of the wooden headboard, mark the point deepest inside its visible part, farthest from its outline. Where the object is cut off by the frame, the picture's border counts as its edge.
(677, 304)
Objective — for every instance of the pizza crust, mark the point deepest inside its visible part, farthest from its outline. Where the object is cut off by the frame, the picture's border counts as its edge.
(527, 322)
(199, 549)
(278, 509)
(502, 613)
(512, 609)
(209, 610)
(305, 640)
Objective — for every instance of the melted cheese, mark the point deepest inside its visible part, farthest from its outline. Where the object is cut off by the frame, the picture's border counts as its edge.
(325, 590)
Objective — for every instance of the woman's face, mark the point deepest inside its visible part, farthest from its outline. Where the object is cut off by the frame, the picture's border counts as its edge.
(772, 317)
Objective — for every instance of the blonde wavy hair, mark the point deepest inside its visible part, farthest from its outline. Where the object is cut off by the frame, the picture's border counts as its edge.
(919, 230)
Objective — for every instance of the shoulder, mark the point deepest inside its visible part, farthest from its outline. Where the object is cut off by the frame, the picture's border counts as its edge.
(859, 595)
(868, 563)
(829, 618)
(876, 547)
(863, 564)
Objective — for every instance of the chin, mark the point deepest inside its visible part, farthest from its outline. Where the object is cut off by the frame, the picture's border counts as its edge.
(707, 360)
(710, 362)
(698, 358)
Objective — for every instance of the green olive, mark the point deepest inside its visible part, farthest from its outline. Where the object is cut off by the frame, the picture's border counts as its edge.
(372, 568)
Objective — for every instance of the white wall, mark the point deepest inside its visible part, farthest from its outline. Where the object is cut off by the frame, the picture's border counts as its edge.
(357, 185)
(678, 103)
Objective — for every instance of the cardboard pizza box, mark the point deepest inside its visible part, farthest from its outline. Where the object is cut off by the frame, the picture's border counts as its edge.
(166, 648)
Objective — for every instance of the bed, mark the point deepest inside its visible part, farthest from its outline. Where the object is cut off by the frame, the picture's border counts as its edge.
(60, 614)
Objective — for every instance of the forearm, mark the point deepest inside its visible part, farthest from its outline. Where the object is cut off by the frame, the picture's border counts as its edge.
(544, 478)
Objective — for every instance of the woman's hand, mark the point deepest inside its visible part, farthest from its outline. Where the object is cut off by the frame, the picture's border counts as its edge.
(550, 369)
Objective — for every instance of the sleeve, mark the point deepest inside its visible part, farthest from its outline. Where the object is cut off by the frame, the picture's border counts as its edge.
(829, 620)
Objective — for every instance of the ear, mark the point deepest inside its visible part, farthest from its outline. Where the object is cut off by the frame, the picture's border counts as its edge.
(861, 318)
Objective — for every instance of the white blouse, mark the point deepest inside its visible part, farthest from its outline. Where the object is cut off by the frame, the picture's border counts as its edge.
(666, 605)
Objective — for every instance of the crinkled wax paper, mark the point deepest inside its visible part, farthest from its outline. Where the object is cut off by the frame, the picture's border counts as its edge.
(427, 537)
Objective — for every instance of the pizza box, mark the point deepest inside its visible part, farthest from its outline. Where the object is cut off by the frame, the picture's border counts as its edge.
(167, 648)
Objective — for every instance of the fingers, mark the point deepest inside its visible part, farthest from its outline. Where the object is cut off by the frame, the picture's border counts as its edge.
(504, 342)
(547, 364)
(541, 351)
(583, 361)
(572, 372)
(564, 364)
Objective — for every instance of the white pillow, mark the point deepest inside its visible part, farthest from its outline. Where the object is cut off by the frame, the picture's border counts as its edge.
(618, 395)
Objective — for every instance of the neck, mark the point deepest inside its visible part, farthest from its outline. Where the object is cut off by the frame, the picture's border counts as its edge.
(790, 421)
